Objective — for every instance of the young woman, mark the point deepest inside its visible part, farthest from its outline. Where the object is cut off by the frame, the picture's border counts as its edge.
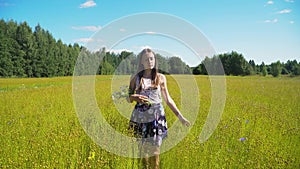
(148, 119)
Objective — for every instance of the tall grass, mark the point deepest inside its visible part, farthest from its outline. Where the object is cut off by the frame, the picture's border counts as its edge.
(259, 127)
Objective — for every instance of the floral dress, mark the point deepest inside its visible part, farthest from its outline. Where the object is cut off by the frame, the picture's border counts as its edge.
(148, 121)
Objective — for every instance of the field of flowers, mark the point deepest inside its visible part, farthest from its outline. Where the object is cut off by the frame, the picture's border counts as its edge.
(260, 126)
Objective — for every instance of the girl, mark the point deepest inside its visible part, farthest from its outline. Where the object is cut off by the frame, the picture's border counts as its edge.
(148, 119)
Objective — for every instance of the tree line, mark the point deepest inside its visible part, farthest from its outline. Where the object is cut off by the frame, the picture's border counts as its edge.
(27, 53)
(124, 63)
(235, 64)
(36, 53)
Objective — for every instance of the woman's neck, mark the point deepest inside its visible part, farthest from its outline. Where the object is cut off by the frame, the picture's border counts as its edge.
(147, 73)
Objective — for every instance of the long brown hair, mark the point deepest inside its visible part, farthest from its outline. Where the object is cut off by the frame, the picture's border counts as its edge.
(140, 71)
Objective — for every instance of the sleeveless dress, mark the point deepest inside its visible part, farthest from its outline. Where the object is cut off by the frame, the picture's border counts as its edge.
(148, 121)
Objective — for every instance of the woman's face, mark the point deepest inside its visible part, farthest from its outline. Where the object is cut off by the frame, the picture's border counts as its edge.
(148, 60)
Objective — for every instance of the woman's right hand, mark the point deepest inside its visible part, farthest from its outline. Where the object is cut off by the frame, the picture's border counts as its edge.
(139, 98)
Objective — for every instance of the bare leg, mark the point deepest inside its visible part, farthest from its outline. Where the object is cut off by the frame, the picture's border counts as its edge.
(157, 161)
(144, 163)
(144, 160)
(154, 160)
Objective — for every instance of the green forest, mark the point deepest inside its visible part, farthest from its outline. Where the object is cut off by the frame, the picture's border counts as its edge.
(28, 52)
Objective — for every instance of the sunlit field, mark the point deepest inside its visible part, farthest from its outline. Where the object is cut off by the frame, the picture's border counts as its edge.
(260, 126)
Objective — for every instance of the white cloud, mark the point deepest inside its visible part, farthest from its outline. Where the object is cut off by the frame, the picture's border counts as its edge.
(87, 28)
(285, 11)
(83, 40)
(151, 33)
(271, 21)
(88, 4)
(6, 4)
(270, 2)
(292, 22)
(122, 30)
(144, 47)
(291, 1)
(138, 49)
(118, 51)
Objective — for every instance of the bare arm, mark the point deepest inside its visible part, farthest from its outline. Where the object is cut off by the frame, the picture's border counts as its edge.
(170, 102)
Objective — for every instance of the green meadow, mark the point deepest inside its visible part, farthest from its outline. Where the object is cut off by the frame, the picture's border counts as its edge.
(259, 128)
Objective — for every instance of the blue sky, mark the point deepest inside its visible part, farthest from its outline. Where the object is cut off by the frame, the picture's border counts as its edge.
(261, 30)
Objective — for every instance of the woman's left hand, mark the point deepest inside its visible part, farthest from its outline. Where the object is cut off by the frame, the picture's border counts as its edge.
(184, 121)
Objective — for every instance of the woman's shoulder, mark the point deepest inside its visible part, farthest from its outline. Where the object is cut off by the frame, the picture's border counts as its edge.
(162, 77)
